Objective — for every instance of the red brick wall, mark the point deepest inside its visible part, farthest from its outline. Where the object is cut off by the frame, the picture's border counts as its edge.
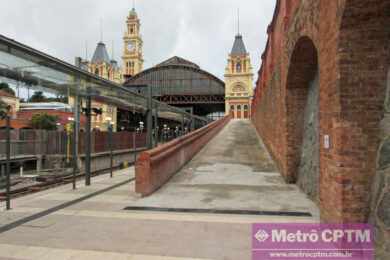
(350, 39)
(62, 116)
(155, 167)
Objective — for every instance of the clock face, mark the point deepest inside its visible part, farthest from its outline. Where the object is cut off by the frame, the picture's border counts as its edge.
(130, 46)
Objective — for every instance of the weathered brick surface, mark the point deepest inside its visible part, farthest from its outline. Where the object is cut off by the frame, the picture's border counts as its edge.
(155, 167)
(348, 42)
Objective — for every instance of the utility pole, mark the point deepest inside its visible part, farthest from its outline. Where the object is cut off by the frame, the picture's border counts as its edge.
(110, 147)
(8, 161)
(149, 118)
(156, 125)
(88, 142)
(4, 114)
(76, 125)
(76, 131)
(182, 125)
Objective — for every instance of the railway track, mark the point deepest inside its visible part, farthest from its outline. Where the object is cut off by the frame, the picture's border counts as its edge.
(51, 181)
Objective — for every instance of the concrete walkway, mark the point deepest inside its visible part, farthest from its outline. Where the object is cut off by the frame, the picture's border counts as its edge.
(232, 172)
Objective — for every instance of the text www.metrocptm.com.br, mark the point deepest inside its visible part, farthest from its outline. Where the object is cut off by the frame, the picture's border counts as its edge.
(315, 254)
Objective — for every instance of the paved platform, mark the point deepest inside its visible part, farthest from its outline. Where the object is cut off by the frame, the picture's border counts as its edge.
(232, 172)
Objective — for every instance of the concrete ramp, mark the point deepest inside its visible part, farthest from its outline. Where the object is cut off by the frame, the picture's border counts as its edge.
(156, 167)
(234, 174)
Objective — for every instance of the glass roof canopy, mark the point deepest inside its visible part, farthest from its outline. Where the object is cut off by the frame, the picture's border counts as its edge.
(40, 71)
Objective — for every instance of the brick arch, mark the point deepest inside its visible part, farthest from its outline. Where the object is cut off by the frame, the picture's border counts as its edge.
(302, 70)
(363, 50)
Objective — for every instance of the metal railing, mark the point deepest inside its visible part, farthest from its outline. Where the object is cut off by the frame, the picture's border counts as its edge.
(41, 142)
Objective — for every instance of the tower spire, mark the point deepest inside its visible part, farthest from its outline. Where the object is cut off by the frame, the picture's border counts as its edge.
(101, 29)
(86, 50)
(112, 51)
(238, 21)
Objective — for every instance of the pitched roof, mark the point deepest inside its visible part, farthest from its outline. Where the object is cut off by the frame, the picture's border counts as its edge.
(101, 54)
(6, 94)
(238, 46)
(178, 61)
(133, 13)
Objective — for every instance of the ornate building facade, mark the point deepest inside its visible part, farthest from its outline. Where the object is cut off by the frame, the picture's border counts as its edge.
(239, 81)
(105, 67)
(108, 68)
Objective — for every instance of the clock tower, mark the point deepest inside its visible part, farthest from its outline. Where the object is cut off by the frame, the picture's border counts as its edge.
(238, 81)
(132, 53)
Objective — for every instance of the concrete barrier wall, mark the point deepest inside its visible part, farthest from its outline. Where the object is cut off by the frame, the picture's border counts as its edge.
(99, 161)
(155, 167)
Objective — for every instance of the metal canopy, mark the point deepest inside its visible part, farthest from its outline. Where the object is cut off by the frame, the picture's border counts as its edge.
(41, 71)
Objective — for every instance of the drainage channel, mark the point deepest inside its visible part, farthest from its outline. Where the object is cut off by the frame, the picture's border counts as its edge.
(222, 211)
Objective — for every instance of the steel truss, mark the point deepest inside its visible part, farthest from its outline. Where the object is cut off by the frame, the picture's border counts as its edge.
(192, 99)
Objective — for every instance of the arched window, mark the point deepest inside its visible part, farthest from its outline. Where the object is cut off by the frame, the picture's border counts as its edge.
(238, 67)
(96, 71)
(239, 107)
(246, 107)
(238, 88)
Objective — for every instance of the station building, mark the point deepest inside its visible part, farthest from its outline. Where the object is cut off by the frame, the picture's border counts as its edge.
(239, 81)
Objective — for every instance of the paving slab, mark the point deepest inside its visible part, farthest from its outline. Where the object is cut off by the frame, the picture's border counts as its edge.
(233, 171)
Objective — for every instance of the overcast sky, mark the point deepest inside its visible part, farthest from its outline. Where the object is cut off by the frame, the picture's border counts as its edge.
(199, 30)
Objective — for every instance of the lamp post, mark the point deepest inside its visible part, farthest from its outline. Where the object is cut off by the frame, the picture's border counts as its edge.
(156, 133)
(139, 130)
(110, 129)
(176, 132)
(88, 142)
(165, 130)
(69, 130)
(182, 125)
(134, 144)
(75, 151)
(141, 126)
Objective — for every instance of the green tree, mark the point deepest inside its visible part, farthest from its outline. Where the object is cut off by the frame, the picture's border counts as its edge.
(44, 121)
(37, 97)
(5, 87)
(3, 109)
(59, 98)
